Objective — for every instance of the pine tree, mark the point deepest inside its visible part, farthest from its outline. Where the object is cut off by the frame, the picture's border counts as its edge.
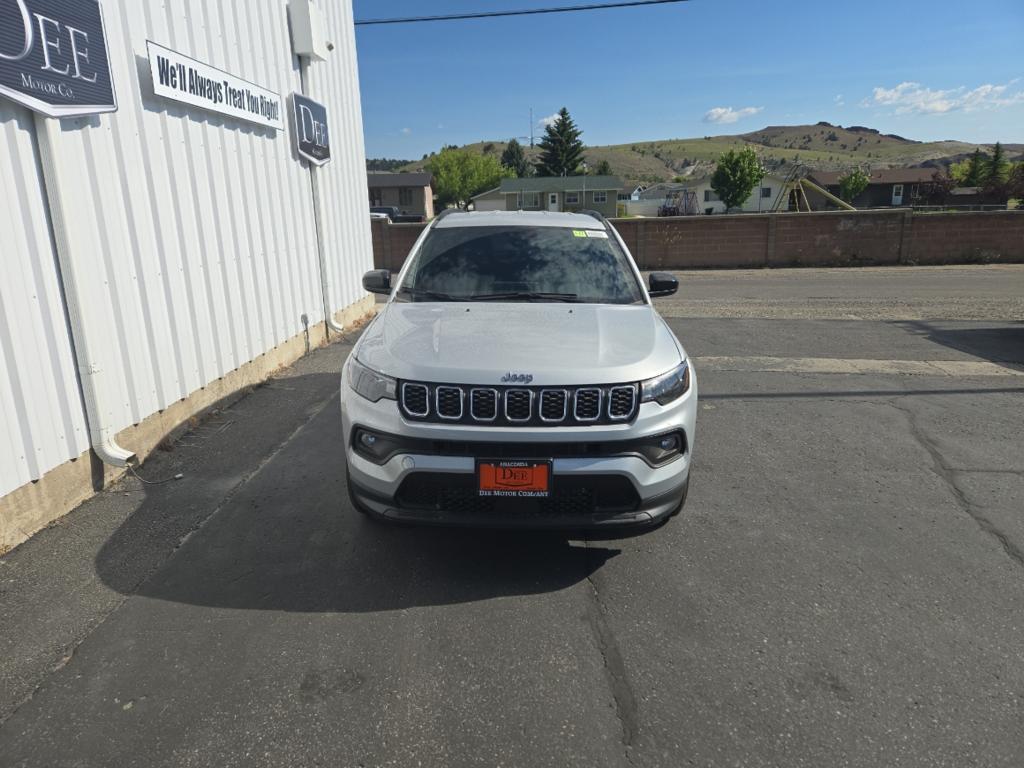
(996, 167)
(975, 170)
(514, 159)
(561, 150)
(603, 168)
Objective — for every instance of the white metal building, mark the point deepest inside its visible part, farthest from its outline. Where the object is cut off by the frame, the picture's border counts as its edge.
(159, 256)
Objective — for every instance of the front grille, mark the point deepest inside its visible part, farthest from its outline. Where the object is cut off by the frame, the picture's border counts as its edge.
(457, 494)
(449, 402)
(519, 406)
(483, 404)
(621, 402)
(553, 404)
(588, 404)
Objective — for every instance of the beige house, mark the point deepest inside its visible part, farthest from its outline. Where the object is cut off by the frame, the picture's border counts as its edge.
(553, 193)
(410, 192)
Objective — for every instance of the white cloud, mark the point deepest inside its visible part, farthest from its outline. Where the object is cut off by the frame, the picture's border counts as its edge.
(728, 114)
(840, 102)
(914, 98)
(406, 131)
(549, 120)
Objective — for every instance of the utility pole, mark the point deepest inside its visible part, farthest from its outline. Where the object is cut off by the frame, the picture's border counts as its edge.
(531, 126)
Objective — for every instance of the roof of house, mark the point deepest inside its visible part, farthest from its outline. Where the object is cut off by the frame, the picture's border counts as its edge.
(561, 184)
(883, 176)
(491, 194)
(377, 180)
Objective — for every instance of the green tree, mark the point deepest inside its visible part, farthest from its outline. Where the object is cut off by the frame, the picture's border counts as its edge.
(603, 168)
(514, 159)
(970, 172)
(996, 168)
(459, 174)
(852, 184)
(736, 174)
(561, 150)
(1015, 183)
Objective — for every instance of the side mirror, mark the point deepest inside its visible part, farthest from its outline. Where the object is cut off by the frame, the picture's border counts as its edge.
(377, 281)
(662, 284)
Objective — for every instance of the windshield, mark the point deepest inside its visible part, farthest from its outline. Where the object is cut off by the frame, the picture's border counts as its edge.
(521, 264)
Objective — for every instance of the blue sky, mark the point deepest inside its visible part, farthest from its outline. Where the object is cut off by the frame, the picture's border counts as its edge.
(924, 70)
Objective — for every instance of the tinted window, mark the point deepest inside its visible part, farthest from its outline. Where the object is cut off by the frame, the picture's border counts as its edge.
(471, 262)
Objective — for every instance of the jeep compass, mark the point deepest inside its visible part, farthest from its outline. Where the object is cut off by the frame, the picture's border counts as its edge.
(519, 375)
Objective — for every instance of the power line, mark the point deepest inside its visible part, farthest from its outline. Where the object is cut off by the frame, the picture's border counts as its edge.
(527, 12)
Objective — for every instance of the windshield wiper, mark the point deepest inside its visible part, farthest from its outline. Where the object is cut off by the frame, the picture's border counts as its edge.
(527, 295)
(436, 295)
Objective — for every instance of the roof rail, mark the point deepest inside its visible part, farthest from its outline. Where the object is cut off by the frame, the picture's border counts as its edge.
(594, 215)
(446, 212)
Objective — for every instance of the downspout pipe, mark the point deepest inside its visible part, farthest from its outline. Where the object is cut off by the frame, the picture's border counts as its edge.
(102, 435)
(314, 183)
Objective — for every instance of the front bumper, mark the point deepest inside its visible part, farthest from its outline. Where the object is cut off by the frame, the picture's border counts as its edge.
(605, 491)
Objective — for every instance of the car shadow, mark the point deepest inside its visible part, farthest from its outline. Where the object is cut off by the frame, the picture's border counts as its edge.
(999, 344)
(288, 539)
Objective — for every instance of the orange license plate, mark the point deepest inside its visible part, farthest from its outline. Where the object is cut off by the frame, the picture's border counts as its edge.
(517, 478)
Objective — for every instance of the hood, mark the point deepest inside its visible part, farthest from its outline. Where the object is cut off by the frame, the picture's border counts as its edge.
(558, 344)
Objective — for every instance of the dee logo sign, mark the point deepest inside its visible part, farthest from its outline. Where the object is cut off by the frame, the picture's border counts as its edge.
(54, 57)
(311, 138)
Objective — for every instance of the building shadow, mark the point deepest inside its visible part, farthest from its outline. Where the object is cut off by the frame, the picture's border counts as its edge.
(999, 344)
(288, 539)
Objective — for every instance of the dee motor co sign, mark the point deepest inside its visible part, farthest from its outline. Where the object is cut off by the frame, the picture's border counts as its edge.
(54, 57)
(311, 138)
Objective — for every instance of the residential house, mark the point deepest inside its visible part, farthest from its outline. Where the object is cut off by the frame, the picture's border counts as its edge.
(631, 192)
(888, 188)
(706, 200)
(411, 192)
(554, 193)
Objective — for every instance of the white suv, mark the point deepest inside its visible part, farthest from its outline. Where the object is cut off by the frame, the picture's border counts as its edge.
(519, 376)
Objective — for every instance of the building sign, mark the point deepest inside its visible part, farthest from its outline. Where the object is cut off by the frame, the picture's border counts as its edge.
(178, 77)
(311, 137)
(54, 57)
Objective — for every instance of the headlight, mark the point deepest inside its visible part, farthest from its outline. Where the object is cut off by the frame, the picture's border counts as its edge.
(667, 387)
(370, 384)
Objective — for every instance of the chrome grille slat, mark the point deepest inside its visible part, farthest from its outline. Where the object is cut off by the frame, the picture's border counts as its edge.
(412, 397)
(621, 402)
(448, 402)
(554, 405)
(483, 404)
(587, 404)
(518, 404)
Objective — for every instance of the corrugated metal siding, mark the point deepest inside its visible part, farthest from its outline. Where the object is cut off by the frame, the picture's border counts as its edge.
(343, 188)
(41, 419)
(191, 235)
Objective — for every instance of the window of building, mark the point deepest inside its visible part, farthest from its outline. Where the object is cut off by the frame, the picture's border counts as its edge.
(404, 196)
(766, 191)
(572, 198)
(710, 196)
(375, 197)
(600, 197)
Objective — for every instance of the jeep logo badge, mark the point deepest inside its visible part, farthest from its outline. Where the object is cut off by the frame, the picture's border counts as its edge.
(517, 378)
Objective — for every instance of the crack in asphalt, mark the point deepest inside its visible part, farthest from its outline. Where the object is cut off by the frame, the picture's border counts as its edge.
(948, 474)
(626, 709)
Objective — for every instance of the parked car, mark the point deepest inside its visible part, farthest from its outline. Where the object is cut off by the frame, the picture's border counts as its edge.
(519, 375)
(394, 213)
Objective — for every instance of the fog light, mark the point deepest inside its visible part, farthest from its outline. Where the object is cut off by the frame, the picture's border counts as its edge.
(368, 439)
(669, 443)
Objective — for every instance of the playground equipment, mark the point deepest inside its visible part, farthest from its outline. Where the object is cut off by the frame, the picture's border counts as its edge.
(793, 194)
(680, 203)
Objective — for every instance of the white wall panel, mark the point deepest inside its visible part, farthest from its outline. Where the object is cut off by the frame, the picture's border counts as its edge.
(41, 420)
(189, 236)
(344, 194)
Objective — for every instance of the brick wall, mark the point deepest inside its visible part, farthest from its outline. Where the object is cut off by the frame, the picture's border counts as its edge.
(840, 238)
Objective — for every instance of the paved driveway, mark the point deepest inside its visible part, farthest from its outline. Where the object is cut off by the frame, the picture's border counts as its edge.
(844, 588)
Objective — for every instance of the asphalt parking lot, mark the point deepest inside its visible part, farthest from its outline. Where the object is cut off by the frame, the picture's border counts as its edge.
(845, 586)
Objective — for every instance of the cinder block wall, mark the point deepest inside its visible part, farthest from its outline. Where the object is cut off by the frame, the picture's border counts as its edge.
(839, 238)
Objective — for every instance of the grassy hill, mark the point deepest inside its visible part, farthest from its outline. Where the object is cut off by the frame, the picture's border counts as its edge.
(821, 146)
